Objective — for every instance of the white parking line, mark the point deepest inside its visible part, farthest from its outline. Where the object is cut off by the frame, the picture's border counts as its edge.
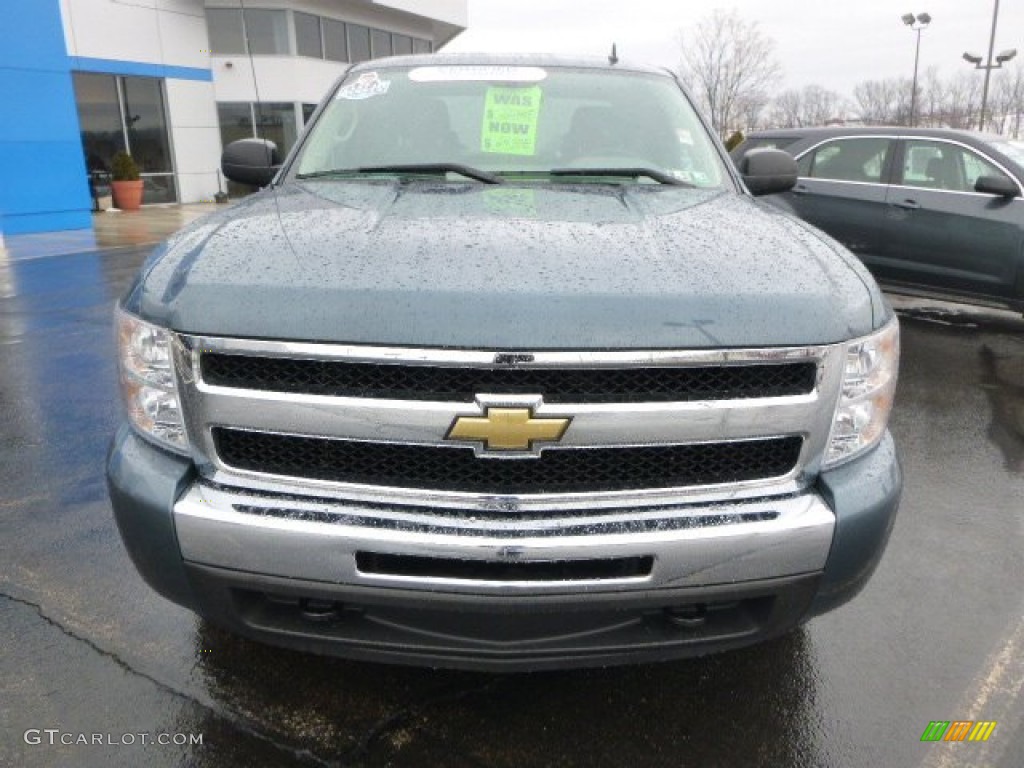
(995, 695)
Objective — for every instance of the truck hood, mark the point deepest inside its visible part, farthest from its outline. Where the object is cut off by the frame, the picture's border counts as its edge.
(422, 263)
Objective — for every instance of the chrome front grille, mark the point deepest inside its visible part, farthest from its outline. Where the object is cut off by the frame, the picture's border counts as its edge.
(370, 424)
(340, 378)
(459, 469)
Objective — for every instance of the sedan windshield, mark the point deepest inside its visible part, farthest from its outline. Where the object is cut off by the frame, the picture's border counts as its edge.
(1013, 149)
(494, 123)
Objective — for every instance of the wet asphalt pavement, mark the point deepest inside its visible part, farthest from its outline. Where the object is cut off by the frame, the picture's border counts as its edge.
(938, 634)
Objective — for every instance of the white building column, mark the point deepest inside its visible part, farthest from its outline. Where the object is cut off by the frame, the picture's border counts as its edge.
(195, 136)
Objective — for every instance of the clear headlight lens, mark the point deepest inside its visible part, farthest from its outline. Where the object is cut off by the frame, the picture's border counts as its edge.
(147, 381)
(869, 386)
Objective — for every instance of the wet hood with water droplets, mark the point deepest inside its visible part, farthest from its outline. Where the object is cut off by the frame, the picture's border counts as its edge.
(438, 264)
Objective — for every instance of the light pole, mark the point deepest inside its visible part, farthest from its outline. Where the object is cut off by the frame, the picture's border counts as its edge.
(1002, 58)
(918, 24)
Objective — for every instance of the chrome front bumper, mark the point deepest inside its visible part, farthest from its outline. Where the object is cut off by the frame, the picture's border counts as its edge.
(283, 568)
(319, 541)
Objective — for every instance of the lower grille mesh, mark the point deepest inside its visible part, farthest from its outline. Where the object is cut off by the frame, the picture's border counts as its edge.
(459, 469)
(488, 570)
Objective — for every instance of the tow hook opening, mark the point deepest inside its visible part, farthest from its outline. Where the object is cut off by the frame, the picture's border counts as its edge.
(316, 610)
(687, 616)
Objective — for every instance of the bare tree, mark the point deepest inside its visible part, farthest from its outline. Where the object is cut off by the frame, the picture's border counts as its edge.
(883, 102)
(822, 105)
(952, 102)
(963, 101)
(813, 105)
(1008, 104)
(788, 109)
(731, 68)
(750, 111)
(932, 99)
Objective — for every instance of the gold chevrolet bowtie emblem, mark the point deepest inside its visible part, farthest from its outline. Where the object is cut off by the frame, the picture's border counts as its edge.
(507, 429)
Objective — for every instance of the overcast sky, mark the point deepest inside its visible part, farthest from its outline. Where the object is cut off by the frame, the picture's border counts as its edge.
(833, 44)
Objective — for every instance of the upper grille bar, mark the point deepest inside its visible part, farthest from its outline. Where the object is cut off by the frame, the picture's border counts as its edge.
(340, 378)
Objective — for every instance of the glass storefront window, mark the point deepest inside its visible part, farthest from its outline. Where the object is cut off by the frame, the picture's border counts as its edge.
(267, 32)
(147, 127)
(243, 120)
(277, 123)
(226, 32)
(402, 44)
(380, 43)
(158, 189)
(307, 113)
(274, 121)
(316, 37)
(99, 115)
(307, 35)
(145, 121)
(358, 43)
(235, 122)
(126, 113)
(335, 45)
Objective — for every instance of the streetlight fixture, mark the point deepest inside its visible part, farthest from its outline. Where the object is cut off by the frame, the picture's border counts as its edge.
(1002, 58)
(917, 23)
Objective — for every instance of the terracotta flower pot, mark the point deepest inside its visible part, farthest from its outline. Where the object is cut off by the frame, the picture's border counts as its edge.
(127, 194)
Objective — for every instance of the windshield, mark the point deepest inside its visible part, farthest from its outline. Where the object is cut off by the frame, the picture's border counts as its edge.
(1012, 149)
(519, 122)
(768, 142)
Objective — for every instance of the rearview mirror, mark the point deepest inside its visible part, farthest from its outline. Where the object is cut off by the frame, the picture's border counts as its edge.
(1003, 186)
(768, 171)
(251, 161)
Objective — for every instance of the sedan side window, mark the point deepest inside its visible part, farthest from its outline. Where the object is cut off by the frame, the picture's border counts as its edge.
(860, 160)
(975, 167)
(803, 165)
(938, 165)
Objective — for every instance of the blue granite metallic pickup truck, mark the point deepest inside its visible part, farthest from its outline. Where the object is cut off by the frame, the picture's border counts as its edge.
(505, 368)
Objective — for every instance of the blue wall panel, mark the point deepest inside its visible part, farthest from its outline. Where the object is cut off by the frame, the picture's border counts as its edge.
(38, 105)
(31, 35)
(43, 183)
(43, 187)
(118, 67)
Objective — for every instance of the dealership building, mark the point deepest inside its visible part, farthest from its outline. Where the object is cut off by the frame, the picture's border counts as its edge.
(171, 82)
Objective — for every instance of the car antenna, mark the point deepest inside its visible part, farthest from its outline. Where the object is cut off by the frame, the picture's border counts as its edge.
(258, 116)
(613, 59)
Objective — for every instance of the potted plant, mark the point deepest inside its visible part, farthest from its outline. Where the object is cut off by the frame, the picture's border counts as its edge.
(126, 183)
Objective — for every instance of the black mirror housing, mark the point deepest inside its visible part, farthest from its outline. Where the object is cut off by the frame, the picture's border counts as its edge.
(251, 161)
(1003, 186)
(768, 171)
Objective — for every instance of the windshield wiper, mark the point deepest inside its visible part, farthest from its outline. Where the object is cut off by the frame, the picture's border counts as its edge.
(627, 173)
(429, 168)
(463, 170)
(331, 172)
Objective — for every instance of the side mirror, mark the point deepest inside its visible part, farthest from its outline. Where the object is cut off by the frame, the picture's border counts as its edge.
(1003, 186)
(251, 161)
(768, 171)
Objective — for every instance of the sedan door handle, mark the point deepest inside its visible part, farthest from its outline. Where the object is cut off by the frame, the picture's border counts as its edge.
(800, 189)
(910, 205)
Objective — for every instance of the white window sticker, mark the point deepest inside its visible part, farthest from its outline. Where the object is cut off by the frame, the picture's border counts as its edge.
(365, 86)
(492, 74)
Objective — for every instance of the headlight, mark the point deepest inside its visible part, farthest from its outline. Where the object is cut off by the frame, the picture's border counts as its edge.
(147, 381)
(869, 385)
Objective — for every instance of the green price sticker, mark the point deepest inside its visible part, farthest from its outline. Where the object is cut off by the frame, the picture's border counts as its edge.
(510, 120)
